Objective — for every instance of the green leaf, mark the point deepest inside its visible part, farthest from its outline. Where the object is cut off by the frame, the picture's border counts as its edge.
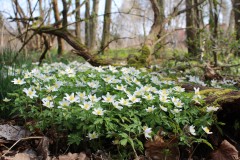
(206, 142)
(123, 142)
(98, 121)
(131, 142)
(140, 144)
(124, 135)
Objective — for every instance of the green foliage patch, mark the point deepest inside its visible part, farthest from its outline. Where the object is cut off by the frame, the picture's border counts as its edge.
(120, 106)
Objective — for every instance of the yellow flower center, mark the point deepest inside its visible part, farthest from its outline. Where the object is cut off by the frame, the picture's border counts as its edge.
(71, 98)
(99, 112)
(30, 92)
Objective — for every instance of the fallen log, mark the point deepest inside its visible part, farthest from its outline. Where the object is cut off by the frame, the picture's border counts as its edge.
(228, 100)
(216, 96)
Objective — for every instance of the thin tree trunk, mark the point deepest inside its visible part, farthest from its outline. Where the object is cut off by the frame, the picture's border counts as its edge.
(15, 10)
(106, 25)
(29, 6)
(57, 19)
(199, 23)
(2, 32)
(160, 21)
(94, 25)
(78, 23)
(191, 29)
(41, 9)
(213, 22)
(87, 24)
(41, 12)
(64, 14)
(237, 21)
(157, 31)
(156, 28)
(231, 19)
(19, 11)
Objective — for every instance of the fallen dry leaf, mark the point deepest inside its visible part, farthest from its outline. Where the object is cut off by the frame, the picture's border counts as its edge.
(13, 133)
(160, 149)
(21, 156)
(69, 156)
(82, 156)
(226, 151)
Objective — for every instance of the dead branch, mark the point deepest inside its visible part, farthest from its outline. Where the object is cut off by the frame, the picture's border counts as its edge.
(229, 66)
(80, 49)
(27, 138)
(176, 12)
(47, 47)
(75, 10)
(113, 40)
(25, 19)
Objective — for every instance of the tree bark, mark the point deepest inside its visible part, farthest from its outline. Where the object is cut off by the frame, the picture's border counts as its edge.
(106, 25)
(94, 25)
(25, 22)
(236, 7)
(191, 28)
(78, 23)
(87, 24)
(57, 19)
(29, 7)
(41, 9)
(41, 19)
(157, 30)
(155, 36)
(157, 26)
(213, 23)
(19, 10)
(64, 14)
(19, 28)
(231, 19)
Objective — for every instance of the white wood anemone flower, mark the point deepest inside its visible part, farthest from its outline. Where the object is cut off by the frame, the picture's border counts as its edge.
(147, 131)
(18, 81)
(30, 92)
(207, 130)
(192, 130)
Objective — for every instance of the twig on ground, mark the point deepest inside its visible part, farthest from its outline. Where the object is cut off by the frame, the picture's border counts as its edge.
(27, 138)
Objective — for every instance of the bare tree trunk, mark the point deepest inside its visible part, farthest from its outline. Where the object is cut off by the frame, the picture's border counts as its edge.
(41, 13)
(213, 22)
(159, 22)
(64, 14)
(19, 11)
(106, 25)
(94, 25)
(156, 28)
(78, 23)
(29, 6)
(87, 24)
(2, 30)
(57, 20)
(231, 19)
(41, 9)
(199, 24)
(237, 21)
(191, 28)
(15, 9)
(156, 32)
